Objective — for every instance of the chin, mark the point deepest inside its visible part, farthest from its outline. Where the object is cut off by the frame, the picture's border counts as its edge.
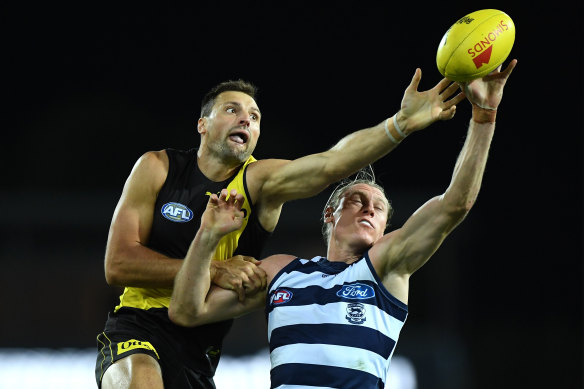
(362, 245)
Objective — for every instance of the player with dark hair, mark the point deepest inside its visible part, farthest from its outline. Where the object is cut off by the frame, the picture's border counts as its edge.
(160, 210)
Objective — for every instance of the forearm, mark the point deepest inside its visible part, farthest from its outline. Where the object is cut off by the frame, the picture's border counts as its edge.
(309, 175)
(362, 148)
(193, 280)
(470, 166)
(139, 266)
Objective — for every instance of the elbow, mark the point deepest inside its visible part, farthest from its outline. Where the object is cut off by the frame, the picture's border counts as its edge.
(180, 317)
(459, 205)
(113, 271)
(113, 279)
(468, 205)
(464, 207)
(460, 211)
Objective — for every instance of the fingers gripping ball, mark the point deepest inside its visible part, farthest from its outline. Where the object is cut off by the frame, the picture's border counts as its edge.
(475, 45)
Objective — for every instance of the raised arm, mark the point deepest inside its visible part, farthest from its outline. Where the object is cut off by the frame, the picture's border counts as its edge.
(193, 281)
(400, 253)
(282, 181)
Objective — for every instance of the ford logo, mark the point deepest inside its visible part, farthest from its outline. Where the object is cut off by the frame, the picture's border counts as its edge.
(356, 292)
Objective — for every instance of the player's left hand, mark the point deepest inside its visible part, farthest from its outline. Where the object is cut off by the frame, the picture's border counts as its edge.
(223, 214)
(487, 92)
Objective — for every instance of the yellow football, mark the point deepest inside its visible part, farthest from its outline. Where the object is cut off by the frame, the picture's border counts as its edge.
(475, 45)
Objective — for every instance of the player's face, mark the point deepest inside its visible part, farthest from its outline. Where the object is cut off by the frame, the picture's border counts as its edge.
(361, 217)
(233, 127)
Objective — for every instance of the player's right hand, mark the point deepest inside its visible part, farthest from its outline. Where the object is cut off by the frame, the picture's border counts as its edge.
(419, 109)
(240, 274)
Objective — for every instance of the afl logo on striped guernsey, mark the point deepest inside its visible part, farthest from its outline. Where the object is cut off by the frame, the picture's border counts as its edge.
(280, 296)
(177, 212)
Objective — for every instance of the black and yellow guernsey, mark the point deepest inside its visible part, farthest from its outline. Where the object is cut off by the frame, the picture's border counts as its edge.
(140, 322)
(177, 217)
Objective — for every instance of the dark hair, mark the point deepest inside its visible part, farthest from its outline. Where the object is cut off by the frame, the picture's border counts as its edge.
(363, 176)
(232, 85)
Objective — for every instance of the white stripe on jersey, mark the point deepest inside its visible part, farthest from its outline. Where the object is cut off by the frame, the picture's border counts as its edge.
(302, 387)
(297, 279)
(332, 313)
(330, 355)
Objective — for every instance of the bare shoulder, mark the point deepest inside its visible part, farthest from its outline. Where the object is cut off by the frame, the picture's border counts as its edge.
(273, 264)
(157, 160)
(260, 171)
(151, 167)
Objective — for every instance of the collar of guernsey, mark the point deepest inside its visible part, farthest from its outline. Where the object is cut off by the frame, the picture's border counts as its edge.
(146, 298)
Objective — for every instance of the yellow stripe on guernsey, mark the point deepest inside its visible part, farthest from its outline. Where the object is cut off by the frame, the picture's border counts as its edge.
(146, 298)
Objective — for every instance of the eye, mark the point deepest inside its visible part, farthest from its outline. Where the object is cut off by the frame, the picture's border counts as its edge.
(230, 109)
(254, 117)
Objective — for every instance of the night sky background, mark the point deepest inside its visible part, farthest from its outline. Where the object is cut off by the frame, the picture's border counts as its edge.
(89, 88)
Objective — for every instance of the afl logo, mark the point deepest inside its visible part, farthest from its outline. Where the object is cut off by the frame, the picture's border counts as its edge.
(280, 296)
(177, 212)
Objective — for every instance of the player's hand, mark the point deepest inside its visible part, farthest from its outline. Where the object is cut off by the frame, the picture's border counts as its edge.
(487, 92)
(223, 214)
(240, 274)
(420, 109)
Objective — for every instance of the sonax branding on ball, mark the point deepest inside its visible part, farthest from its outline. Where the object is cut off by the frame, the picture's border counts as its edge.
(475, 45)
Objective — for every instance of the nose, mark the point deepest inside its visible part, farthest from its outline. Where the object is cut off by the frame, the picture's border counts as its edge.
(369, 209)
(244, 120)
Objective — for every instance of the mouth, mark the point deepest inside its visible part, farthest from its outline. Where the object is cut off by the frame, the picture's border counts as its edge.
(366, 223)
(239, 136)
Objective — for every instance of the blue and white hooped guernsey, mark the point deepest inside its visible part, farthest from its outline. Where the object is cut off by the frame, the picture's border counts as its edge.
(331, 325)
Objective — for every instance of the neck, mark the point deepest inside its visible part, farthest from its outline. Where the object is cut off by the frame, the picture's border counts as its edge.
(214, 168)
(347, 255)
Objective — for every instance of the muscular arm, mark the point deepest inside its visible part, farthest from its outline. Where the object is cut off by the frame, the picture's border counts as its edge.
(218, 304)
(194, 301)
(280, 181)
(403, 251)
(399, 254)
(128, 262)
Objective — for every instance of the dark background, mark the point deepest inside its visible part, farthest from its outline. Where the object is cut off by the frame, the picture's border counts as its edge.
(89, 88)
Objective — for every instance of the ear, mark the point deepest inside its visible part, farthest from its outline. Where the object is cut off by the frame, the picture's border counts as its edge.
(202, 125)
(329, 215)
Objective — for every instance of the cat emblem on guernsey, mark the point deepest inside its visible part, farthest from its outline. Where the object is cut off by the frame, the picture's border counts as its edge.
(280, 296)
(356, 291)
(356, 313)
(177, 212)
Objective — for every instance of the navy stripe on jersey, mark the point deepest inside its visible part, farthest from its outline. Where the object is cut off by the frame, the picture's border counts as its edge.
(339, 334)
(394, 299)
(321, 296)
(324, 376)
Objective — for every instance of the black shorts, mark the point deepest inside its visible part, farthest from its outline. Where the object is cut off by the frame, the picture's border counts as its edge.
(188, 357)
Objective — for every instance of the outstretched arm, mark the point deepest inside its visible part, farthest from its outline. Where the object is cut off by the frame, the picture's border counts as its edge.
(400, 253)
(281, 181)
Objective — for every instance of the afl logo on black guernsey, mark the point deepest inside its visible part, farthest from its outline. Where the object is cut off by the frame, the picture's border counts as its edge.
(177, 212)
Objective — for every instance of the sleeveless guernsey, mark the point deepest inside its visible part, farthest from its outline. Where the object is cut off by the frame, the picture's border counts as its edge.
(177, 217)
(331, 325)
